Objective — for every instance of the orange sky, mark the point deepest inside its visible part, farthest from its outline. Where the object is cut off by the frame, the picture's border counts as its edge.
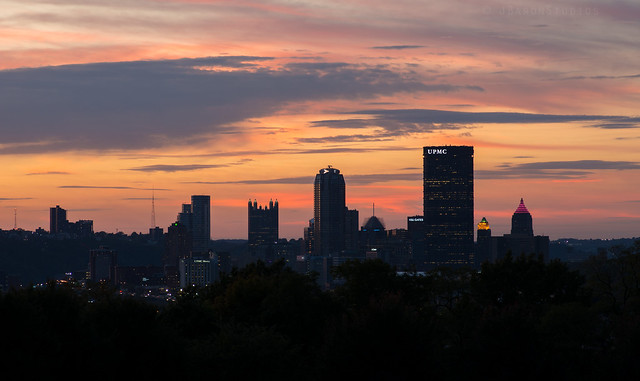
(104, 101)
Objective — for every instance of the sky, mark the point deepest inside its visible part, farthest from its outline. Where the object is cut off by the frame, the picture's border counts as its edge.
(108, 104)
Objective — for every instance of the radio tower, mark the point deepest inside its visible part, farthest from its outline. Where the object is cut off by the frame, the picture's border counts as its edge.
(15, 219)
(153, 208)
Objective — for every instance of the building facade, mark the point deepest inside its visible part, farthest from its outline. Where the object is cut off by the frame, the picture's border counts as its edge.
(201, 220)
(102, 265)
(57, 220)
(329, 212)
(448, 206)
(262, 228)
(521, 241)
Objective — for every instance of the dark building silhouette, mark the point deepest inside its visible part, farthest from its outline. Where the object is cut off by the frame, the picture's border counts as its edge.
(373, 232)
(484, 244)
(81, 228)
(58, 224)
(351, 231)
(398, 250)
(196, 218)
(521, 221)
(520, 241)
(415, 230)
(177, 245)
(102, 265)
(373, 238)
(308, 238)
(448, 205)
(57, 220)
(329, 212)
(263, 229)
(201, 228)
(156, 234)
(185, 217)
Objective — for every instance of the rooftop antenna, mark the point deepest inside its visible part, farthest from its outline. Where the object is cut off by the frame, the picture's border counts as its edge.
(15, 218)
(374, 209)
(153, 207)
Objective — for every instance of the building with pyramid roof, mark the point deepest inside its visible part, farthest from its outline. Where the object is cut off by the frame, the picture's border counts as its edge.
(521, 241)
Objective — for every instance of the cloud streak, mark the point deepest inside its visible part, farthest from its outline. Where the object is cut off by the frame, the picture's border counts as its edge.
(356, 179)
(176, 167)
(397, 47)
(151, 104)
(109, 187)
(48, 173)
(555, 169)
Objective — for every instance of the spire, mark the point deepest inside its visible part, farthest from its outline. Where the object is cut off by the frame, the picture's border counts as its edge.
(521, 207)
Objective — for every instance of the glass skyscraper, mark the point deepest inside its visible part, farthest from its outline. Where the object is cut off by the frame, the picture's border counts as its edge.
(448, 205)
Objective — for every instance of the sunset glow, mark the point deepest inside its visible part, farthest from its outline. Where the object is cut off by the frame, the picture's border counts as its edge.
(103, 103)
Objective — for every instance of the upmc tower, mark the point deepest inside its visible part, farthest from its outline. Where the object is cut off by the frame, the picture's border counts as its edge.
(448, 205)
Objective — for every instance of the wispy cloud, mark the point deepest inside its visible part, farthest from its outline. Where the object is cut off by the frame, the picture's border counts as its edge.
(555, 169)
(630, 76)
(176, 167)
(386, 124)
(355, 179)
(109, 187)
(48, 173)
(397, 47)
(612, 126)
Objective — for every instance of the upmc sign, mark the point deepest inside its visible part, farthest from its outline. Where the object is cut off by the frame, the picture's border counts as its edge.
(439, 151)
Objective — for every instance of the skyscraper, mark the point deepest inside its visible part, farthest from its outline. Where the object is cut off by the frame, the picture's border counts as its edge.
(521, 241)
(448, 205)
(262, 226)
(521, 221)
(201, 222)
(329, 212)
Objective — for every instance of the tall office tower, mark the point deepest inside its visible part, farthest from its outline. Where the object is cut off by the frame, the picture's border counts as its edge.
(57, 220)
(521, 221)
(328, 212)
(351, 231)
(201, 220)
(177, 246)
(521, 241)
(263, 226)
(448, 205)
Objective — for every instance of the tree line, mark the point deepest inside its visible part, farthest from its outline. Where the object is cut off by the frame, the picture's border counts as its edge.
(518, 318)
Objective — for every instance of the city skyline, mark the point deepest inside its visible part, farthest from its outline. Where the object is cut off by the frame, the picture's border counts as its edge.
(108, 105)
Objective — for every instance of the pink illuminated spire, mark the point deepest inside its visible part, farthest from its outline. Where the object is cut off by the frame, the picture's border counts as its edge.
(521, 208)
